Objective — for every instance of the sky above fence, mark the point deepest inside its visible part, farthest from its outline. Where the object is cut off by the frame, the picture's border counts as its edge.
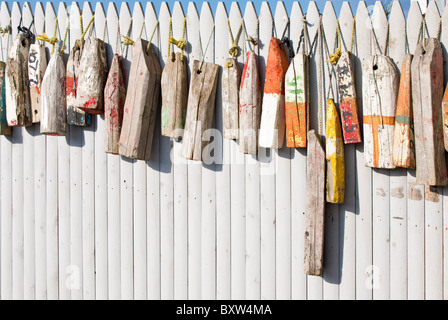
(272, 3)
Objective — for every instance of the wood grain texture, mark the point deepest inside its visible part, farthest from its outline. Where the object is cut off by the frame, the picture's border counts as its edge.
(315, 206)
(37, 63)
(142, 98)
(334, 154)
(18, 109)
(427, 93)
(200, 109)
(4, 128)
(231, 77)
(250, 105)
(347, 98)
(403, 148)
(174, 95)
(272, 125)
(75, 116)
(54, 101)
(380, 89)
(114, 99)
(92, 76)
(297, 101)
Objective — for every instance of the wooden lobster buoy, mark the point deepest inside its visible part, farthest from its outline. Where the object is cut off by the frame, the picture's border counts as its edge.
(174, 96)
(92, 76)
(231, 78)
(53, 98)
(200, 108)
(347, 98)
(141, 103)
(272, 126)
(296, 101)
(335, 156)
(380, 89)
(75, 116)
(18, 108)
(4, 128)
(315, 206)
(37, 63)
(114, 99)
(250, 106)
(427, 92)
(403, 153)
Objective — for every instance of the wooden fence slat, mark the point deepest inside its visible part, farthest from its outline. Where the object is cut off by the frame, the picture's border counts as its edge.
(252, 178)
(223, 236)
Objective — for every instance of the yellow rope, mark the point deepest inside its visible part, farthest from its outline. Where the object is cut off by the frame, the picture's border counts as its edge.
(4, 30)
(65, 35)
(233, 51)
(181, 43)
(229, 63)
(87, 28)
(352, 40)
(152, 35)
(334, 57)
(127, 41)
(53, 40)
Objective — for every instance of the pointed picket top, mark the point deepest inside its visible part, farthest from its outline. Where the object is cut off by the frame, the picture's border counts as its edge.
(39, 18)
(444, 27)
(266, 24)
(207, 33)
(87, 14)
(164, 22)
(100, 22)
(178, 23)
(346, 24)
(363, 27)
(312, 18)
(151, 26)
(296, 25)
(126, 26)
(397, 34)
(251, 25)
(112, 29)
(413, 23)
(222, 42)
(75, 29)
(432, 19)
(5, 18)
(193, 34)
(138, 18)
(16, 14)
(281, 20)
(63, 20)
(329, 22)
(380, 25)
(50, 17)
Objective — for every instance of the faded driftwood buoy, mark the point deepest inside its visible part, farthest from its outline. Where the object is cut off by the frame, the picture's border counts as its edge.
(4, 128)
(296, 101)
(75, 116)
(37, 63)
(380, 89)
(230, 98)
(348, 103)
(272, 126)
(114, 99)
(92, 75)
(18, 108)
(334, 153)
(427, 92)
(200, 109)
(315, 206)
(142, 99)
(53, 97)
(250, 105)
(403, 153)
(174, 96)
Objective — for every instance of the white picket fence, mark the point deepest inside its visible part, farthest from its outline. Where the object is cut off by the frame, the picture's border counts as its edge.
(77, 223)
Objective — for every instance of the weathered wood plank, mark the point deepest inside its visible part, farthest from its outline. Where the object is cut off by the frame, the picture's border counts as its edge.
(92, 75)
(380, 89)
(37, 63)
(334, 154)
(272, 125)
(4, 128)
(201, 105)
(231, 77)
(141, 103)
(315, 206)
(250, 105)
(347, 98)
(114, 99)
(53, 99)
(403, 148)
(174, 95)
(18, 109)
(427, 91)
(297, 101)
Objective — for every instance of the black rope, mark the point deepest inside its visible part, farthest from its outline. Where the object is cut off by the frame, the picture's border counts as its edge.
(26, 31)
(285, 40)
